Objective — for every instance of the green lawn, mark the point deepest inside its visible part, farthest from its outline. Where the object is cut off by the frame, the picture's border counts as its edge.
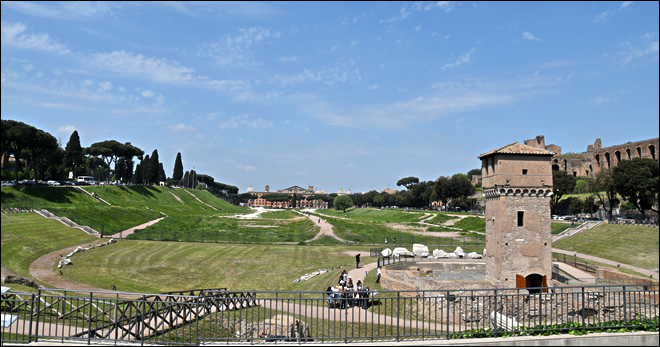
(471, 223)
(441, 218)
(131, 205)
(146, 266)
(632, 245)
(376, 215)
(27, 236)
(558, 227)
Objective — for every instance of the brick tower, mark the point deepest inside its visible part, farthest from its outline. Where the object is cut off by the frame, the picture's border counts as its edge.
(517, 184)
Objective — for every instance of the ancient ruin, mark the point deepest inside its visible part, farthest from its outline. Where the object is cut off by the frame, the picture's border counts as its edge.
(517, 184)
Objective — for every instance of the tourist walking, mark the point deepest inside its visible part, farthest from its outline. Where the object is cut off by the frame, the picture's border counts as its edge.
(395, 242)
(357, 261)
(385, 241)
(378, 273)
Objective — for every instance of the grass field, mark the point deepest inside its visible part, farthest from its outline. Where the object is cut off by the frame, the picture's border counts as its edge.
(471, 223)
(441, 218)
(632, 245)
(129, 204)
(558, 227)
(167, 266)
(27, 236)
(376, 215)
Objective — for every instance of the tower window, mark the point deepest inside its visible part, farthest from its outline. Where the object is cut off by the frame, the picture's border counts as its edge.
(521, 218)
(524, 171)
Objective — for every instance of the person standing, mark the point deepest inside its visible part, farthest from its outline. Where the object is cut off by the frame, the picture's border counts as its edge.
(395, 242)
(379, 272)
(385, 241)
(357, 261)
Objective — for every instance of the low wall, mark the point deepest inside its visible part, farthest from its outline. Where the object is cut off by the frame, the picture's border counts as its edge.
(435, 276)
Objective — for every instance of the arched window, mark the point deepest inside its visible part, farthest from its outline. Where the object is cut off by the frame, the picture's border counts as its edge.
(617, 154)
(607, 160)
(628, 153)
(639, 151)
(598, 160)
(652, 151)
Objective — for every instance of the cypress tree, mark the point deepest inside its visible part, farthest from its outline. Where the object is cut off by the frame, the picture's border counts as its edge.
(186, 180)
(143, 174)
(161, 173)
(153, 167)
(74, 152)
(178, 168)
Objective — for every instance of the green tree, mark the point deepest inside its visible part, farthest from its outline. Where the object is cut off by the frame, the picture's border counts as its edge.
(74, 152)
(590, 205)
(408, 182)
(581, 186)
(293, 200)
(343, 202)
(18, 136)
(576, 205)
(636, 180)
(152, 168)
(442, 190)
(563, 183)
(186, 180)
(627, 206)
(473, 172)
(178, 168)
(602, 186)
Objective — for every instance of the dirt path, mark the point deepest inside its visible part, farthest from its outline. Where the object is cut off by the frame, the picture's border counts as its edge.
(127, 232)
(646, 272)
(326, 229)
(42, 270)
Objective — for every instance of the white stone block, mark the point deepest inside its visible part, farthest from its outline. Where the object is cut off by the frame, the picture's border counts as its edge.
(386, 252)
(418, 249)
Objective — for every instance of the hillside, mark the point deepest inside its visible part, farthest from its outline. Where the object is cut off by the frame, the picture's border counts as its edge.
(131, 205)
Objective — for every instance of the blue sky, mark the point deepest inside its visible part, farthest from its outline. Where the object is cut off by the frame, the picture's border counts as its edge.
(335, 95)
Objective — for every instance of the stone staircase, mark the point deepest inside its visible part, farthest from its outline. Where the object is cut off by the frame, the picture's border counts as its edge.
(92, 195)
(573, 231)
(68, 222)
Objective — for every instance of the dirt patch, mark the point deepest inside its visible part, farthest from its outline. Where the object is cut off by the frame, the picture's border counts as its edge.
(230, 272)
(257, 226)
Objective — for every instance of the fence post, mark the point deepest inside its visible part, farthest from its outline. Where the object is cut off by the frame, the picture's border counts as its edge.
(36, 333)
(495, 315)
(89, 319)
(141, 327)
(583, 303)
(398, 311)
(625, 315)
(31, 315)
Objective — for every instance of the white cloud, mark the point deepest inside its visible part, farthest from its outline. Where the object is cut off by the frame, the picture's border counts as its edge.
(28, 67)
(212, 116)
(599, 100)
(355, 42)
(246, 168)
(530, 36)
(181, 127)
(63, 10)
(66, 129)
(242, 120)
(288, 59)
(105, 85)
(129, 64)
(373, 86)
(148, 93)
(88, 82)
(238, 50)
(342, 71)
(649, 46)
(465, 58)
(445, 6)
(603, 16)
(15, 35)
(350, 166)
(404, 14)
(418, 28)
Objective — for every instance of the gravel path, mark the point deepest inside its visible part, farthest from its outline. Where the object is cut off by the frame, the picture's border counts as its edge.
(609, 262)
(326, 229)
(127, 232)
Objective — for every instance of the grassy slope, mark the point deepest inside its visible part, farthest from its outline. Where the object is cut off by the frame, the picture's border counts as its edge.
(632, 245)
(165, 266)
(471, 223)
(27, 236)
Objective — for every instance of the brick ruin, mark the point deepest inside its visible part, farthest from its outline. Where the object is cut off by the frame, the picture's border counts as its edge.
(517, 184)
(596, 157)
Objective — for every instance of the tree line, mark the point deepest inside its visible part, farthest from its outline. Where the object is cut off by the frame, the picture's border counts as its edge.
(634, 181)
(40, 156)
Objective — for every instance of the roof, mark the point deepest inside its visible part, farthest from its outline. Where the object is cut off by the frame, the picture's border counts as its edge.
(517, 148)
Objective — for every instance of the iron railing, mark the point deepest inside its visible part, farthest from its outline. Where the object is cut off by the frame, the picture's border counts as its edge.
(574, 262)
(211, 315)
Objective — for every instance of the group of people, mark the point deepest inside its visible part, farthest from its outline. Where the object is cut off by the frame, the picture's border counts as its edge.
(348, 294)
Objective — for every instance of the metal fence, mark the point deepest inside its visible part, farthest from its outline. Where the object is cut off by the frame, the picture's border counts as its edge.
(572, 260)
(209, 316)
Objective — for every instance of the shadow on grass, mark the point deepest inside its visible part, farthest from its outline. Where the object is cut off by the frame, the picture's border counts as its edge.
(141, 190)
(57, 195)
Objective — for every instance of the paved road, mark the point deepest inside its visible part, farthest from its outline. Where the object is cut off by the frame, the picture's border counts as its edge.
(609, 262)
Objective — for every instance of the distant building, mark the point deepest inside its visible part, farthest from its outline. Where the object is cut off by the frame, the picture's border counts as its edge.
(260, 201)
(389, 190)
